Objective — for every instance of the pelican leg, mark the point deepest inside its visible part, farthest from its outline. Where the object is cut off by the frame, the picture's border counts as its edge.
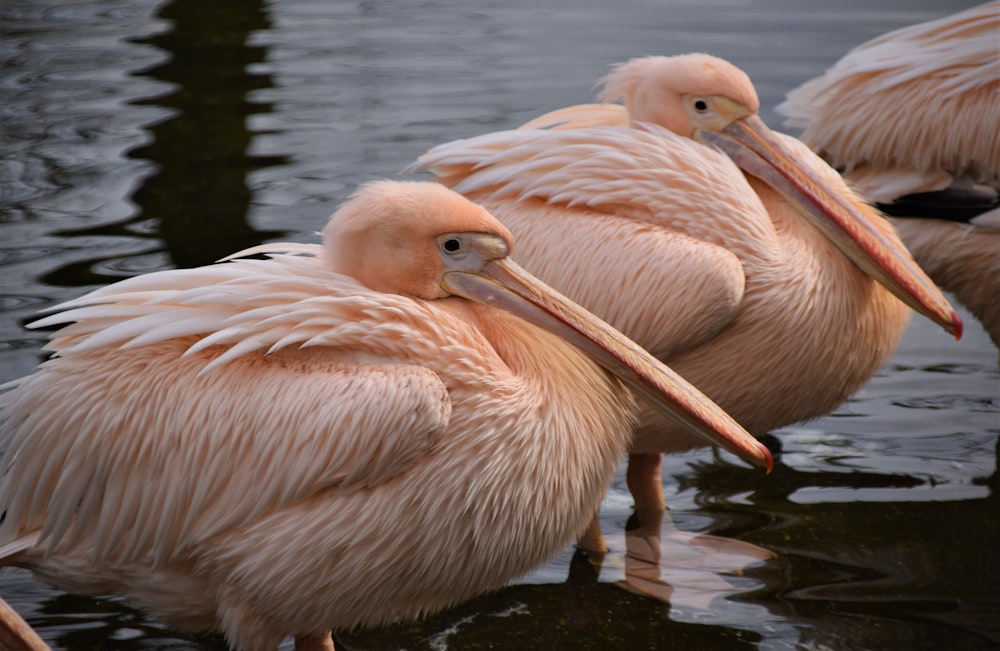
(314, 642)
(646, 485)
(592, 540)
(645, 482)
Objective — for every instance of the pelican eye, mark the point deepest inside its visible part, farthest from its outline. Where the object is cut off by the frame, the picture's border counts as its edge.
(700, 105)
(452, 245)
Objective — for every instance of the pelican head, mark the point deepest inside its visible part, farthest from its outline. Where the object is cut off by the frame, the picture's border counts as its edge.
(714, 102)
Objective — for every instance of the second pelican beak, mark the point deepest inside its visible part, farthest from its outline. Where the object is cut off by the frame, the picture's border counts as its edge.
(844, 218)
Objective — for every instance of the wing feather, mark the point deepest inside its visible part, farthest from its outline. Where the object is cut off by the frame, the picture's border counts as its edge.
(861, 111)
(642, 172)
(139, 439)
(581, 116)
(598, 208)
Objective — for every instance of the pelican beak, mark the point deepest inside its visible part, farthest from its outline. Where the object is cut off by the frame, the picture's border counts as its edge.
(502, 283)
(845, 219)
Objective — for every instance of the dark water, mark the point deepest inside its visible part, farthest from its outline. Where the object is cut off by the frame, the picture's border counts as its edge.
(138, 135)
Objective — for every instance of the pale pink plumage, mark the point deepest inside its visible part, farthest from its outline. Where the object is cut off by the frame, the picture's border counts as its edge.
(912, 110)
(326, 437)
(666, 238)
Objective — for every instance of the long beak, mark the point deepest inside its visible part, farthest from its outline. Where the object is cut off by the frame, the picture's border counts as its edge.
(504, 284)
(845, 220)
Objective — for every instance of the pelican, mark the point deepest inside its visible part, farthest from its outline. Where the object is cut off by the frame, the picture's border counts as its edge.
(910, 118)
(730, 251)
(337, 435)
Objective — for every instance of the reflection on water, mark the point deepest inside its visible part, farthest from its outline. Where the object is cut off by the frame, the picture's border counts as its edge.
(140, 134)
(193, 207)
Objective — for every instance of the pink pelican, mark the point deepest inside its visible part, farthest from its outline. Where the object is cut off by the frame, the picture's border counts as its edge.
(911, 119)
(728, 250)
(337, 435)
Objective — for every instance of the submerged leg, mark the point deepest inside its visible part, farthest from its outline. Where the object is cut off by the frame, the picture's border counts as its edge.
(592, 540)
(645, 482)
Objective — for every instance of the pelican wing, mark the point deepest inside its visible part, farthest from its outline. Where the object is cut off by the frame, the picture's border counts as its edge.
(595, 209)
(922, 100)
(580, 116)
(178, 434)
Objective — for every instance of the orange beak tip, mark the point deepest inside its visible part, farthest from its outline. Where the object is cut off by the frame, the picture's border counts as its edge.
(956, 324)
(768, 459)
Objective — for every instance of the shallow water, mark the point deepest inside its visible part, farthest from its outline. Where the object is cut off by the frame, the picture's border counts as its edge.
(139, 135)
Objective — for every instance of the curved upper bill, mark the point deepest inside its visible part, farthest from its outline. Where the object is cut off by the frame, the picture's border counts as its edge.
(845, 220)
(504, 284)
